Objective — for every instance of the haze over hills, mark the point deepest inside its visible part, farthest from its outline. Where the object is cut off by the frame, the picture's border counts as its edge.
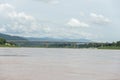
(10, 38)
(37, 42)
(18, 38)
(58, 39)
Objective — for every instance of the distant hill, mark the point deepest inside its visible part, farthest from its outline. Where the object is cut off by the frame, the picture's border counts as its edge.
(36, 42)
(17, 38)
(57, 39)
(9, 37)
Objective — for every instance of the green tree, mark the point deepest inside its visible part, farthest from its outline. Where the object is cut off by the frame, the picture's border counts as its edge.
(2, 41)
(118, 43)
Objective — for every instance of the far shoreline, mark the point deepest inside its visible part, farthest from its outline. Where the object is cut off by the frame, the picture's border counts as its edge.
(63, 48)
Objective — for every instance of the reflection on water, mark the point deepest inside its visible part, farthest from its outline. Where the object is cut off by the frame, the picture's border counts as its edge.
(13, 55)
(59, 64)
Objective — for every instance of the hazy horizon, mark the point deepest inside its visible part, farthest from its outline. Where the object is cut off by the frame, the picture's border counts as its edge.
(96, 20)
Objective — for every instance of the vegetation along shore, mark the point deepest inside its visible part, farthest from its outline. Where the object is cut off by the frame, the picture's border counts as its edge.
(5, 43)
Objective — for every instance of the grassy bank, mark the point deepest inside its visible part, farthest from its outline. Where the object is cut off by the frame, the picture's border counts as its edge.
(7, 46)
(109, 47)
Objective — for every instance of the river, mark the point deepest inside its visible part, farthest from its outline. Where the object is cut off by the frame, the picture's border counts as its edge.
(59, 64)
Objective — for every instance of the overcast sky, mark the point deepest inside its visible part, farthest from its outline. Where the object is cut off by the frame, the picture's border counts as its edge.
(97, 20)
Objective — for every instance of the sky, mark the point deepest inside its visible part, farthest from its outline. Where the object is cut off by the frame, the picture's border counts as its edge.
(96, 20)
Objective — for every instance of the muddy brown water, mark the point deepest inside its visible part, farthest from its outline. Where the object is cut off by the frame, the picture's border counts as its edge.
(59, 64)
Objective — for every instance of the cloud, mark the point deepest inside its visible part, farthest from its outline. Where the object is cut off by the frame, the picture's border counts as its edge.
(2, 30)
(6, 6)
(15, 22)
(99, 19)
(10, 12)
(76, 23)
(49, 1)
(23, 24)
(82, 13)
(68, 33)
(20, 16)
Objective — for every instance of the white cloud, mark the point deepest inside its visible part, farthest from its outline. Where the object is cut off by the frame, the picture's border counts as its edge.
(20, 15)
(49, 1)
(23, 24)
(2, 30)
(99, 19)
(5, 9)
(6, 6)
(70, 34)
(16, 22)
(9, 11)
(89, 35)
(76, 23)
(82, 13)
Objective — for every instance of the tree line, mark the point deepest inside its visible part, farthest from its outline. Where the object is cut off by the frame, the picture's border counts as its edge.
(62, 44)
(3, 42)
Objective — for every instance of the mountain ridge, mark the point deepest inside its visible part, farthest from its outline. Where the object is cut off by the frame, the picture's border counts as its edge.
(18, 38)
(57, 39)
(10, 38)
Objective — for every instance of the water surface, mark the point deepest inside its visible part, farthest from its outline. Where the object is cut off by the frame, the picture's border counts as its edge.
(59, 64)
